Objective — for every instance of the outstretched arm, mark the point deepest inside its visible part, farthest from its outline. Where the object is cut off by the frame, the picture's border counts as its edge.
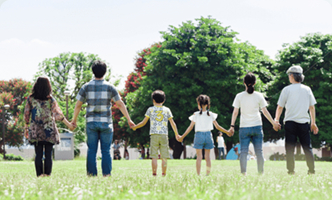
(124, 111)
(77, 110)
(175, 129)
(190, 127)
(278, 113)
(276, 126)
(221, 128)
(314, 127)
(141, 124)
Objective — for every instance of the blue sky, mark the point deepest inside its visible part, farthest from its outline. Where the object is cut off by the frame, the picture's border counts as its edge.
(32, 30)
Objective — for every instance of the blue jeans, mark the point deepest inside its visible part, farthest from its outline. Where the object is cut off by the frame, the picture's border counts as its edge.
(221, 150)
(254, 134)
(103, 132)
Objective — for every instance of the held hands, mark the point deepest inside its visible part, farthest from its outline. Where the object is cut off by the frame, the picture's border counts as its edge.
(276, 125)
(26, 133)
(231, 131)
(131, 124)
(179, 138)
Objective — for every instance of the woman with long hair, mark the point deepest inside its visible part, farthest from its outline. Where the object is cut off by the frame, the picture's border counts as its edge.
(41, 112)
(251, 102)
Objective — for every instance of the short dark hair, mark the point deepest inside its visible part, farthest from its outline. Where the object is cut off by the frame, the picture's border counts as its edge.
(42, 89)
(99, 68)
(159, 96)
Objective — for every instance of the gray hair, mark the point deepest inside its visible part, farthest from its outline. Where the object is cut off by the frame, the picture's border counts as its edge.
(298, 77)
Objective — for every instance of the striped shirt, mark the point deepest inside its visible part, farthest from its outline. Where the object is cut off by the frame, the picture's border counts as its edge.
(98, 95)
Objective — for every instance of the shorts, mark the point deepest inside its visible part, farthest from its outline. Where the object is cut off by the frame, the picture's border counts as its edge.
(159, 142)
(203, 140)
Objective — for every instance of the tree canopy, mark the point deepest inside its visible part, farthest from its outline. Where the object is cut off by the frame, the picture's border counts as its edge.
(314, 54)
(198, 58)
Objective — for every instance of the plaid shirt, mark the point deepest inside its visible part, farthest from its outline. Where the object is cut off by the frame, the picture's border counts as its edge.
(98, 95)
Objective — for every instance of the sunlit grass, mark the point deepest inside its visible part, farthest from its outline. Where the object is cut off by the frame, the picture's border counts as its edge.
(133, 180)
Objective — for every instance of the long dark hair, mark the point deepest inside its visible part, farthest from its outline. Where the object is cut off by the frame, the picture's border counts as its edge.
(203, 100)
(42, 89)
(250, 80)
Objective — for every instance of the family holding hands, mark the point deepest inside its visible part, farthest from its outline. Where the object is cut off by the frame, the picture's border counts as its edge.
(43, 110)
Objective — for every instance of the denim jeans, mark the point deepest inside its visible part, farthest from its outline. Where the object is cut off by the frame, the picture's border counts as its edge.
(255, 135)
(221, 150)
(103, 132)
(46, 167)
(293, 131)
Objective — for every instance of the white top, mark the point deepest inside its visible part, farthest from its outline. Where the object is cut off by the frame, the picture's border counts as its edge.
(250, 105)
(297, 98)
(159, 116)
(221, 141)
(203, 122)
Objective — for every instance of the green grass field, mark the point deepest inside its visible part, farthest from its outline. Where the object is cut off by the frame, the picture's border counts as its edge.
(133, 180)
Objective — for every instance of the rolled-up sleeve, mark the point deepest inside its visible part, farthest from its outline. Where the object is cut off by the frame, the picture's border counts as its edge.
(81, 96)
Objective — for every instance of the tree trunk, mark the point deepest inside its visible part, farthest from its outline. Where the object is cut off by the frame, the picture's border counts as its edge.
(125, 147)
(184, 151)
(216, 152)
(177, 148)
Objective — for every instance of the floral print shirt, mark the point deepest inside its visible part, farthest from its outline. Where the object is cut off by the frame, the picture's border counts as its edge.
(41, 114)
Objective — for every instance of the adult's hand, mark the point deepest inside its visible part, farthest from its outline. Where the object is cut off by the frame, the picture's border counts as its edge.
(314, 129)
(73, 123)
(276, 126)
(131, 123)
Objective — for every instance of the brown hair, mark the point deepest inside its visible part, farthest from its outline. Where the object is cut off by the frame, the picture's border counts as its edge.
(42, 89)
(250, 80)
(203, 100)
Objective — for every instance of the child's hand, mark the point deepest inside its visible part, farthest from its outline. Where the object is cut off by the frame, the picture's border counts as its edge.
(134, 128)
(178, 137)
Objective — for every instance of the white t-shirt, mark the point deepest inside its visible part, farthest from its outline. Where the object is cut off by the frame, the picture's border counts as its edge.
(250, 105)
(297, 98)
(159, 116)
(203, 122)
(221, 141)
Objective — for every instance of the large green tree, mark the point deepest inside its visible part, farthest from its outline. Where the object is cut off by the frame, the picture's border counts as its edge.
(314, 54)
(70, 71)
(197, 58)
(14, 93)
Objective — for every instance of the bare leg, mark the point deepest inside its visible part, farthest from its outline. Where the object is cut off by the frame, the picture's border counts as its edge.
(164, 166)
(154, 166)
(208, 161)
(198, 161)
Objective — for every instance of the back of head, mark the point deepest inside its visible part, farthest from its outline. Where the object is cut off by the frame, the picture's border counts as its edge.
(297, 72)
(203, 100)
(250, 80)
(99, 68)
(42, 89)
(158, 96)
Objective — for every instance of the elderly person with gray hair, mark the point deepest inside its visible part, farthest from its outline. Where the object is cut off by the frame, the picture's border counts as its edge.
(297, 99)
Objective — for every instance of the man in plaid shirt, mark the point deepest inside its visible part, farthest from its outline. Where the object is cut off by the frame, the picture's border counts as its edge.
(99, 126)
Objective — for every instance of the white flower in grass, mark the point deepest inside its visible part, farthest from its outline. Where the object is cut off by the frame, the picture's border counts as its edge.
(146, 193)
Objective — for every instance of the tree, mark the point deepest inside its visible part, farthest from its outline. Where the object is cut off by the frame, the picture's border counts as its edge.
(13, 92)
(133, 82)
(314, 54)
(198, 59)
(70, 71)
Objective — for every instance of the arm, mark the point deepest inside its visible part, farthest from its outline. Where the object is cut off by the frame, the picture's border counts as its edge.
(141, 124)
(191, 126)
(278, 113)
(221, 128)
(175, 129)
(234, 116)
(276, 126)
(77, 110)
(314, 127)
(124, 111)
(27, 119)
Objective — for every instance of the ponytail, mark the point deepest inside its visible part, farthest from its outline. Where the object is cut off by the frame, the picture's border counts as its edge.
(203, 100)
(250, 81)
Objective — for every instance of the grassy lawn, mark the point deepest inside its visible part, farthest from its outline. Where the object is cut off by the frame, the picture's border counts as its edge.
(133, 180)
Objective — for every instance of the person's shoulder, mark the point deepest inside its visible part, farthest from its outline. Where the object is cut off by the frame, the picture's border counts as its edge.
(305, 87)
(240, 94)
